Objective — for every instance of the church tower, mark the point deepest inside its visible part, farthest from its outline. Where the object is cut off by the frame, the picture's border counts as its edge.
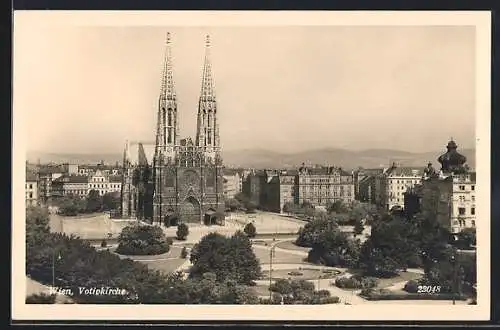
(207, 136)
(167, 135)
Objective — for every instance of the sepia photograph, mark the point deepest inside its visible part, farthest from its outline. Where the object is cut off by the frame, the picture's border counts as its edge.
(333, 162)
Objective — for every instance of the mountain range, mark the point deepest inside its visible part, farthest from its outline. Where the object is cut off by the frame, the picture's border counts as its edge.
(260, 158)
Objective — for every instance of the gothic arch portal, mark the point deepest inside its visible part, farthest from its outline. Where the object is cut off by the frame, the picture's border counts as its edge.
(190, 210)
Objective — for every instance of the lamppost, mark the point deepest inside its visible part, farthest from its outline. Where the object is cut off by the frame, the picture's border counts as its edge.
(455, 290)
(271, 255)
(54, 267)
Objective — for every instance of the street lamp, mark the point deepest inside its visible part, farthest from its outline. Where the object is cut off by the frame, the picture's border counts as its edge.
(271, 255)
(455, 277)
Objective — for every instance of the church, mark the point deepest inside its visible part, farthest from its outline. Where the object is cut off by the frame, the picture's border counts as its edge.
(177, 180)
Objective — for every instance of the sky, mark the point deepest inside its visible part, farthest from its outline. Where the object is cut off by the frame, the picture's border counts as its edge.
(88, 89)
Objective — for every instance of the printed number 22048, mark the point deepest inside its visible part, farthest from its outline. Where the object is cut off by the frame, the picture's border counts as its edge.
(428, 289)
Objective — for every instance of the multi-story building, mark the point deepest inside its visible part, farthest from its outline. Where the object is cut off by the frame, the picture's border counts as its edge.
(391, 185)
(76, 185)
(270, 190)
(233, 182)
(448, 196)
(46, 175)
(81, 185)
(323, 185)
(282, 189)
(365, 184)
(103, 168)
(31, 189)
(104, 183)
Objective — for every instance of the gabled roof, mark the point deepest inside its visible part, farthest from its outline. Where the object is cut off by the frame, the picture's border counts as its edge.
(140, 153)
(405, 171)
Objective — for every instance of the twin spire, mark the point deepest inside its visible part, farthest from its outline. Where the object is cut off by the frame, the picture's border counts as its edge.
(207, 92)
(167, 126)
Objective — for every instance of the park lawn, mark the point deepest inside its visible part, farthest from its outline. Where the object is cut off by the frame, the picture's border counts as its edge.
(260, 290)
(290, 245)
(401, 277)
(280, 257)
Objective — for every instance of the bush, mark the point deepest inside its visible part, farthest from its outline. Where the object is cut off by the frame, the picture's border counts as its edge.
(182, 232)
(356, 282)
(411, 286)
(142, 240)
(250, 230)
(323, 293)
(184, 253)
(329, 300)
(41, 298)
(104, 243)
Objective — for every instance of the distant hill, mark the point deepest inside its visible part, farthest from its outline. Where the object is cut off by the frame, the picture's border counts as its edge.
(259, 158)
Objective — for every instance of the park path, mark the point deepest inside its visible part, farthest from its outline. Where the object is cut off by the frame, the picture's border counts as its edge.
(278, 249)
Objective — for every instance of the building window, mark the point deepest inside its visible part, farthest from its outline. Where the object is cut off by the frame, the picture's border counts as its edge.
(473, 198)
(461, 199)
(31, 195)
(473, 211)
(461, 211)
(31, 186)
(461, 187)
(473, 223)
(472, 187)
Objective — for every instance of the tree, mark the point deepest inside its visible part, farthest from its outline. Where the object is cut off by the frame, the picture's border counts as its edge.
(337, 207)
(250, 230)
(142, 240)
(111, 201)
(41, 298)
(310, 233)
(467, 238)
(71, 205)
(82, 265)
(232, 204)
(94, 201)
(334, 248)
(458, 276)
(392, 244)
(184, 253)
(182, 232)
(358, 227)
(229, 258)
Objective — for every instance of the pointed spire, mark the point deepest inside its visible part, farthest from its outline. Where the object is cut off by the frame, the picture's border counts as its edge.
(167, 81)
(207, 81)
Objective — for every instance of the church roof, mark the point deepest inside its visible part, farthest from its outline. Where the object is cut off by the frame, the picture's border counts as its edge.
(138, 153)
(231, 171)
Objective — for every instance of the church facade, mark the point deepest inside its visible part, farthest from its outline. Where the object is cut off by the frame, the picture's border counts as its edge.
(178, 179)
